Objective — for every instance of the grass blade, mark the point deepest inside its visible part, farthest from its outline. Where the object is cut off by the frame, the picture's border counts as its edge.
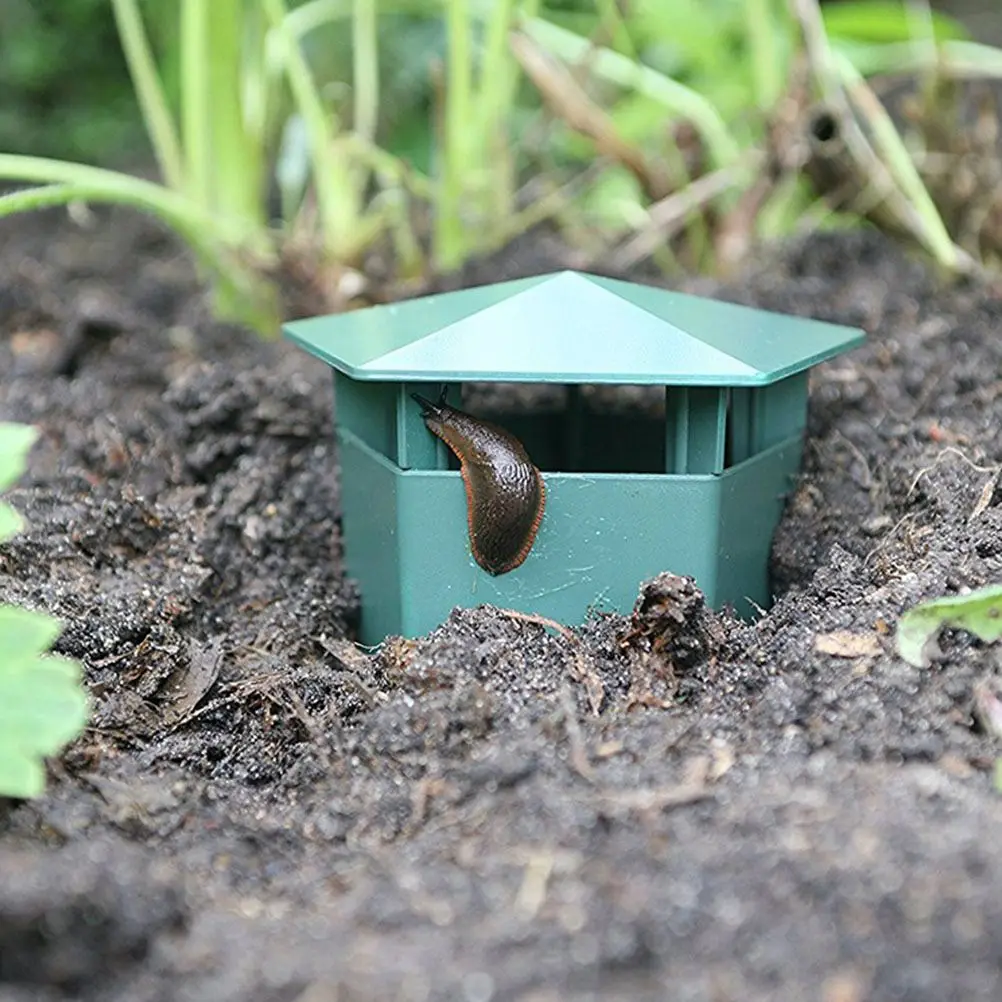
(933, 231)
(458, 120)
(149, 91)
(196, 99)
(230, 251)
(955, 59)
(365, 59)
(337, 196)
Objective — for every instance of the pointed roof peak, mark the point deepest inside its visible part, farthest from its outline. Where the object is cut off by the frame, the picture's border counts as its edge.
(571, 327)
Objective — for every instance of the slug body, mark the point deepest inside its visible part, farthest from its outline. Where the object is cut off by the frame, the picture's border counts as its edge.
(505, 495)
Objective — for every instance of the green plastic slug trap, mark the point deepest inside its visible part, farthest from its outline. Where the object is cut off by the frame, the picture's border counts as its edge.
(666, 429)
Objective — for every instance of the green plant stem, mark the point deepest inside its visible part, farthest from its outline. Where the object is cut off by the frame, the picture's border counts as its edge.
(475, 173)
(196, 99)
(229, 252)
(256, 91)
(313, 14)
(391, 170)
(458, 121)
(496, 88)
(238, 153)
(149, 91)
(766, 66)
(722, 147)
(698, 242)
(899, 162)
(495, 76)
(365, 64)
(337, 195)
(922, 32)
(107, 185)
(613, 27)
(45, 197)
(958, 59)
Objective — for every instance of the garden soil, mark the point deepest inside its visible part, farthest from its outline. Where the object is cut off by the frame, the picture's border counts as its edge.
(668, 805)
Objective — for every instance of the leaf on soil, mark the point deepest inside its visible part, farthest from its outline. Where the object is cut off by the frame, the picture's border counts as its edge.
(979, 612)
(846, 644)
(986, 496)
(42, 705)
(24, 635)
(191, 680)
(16, 441)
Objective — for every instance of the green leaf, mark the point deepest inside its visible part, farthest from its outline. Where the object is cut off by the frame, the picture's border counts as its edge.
(24, 635)
(979, 612)
(884, 21)
(10, 522)
(15, 442)
(42, 703)
(613, 201)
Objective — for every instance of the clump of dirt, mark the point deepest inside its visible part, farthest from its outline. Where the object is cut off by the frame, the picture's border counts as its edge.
(675, 803)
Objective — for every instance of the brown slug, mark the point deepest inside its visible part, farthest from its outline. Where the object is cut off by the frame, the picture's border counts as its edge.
(505, 495)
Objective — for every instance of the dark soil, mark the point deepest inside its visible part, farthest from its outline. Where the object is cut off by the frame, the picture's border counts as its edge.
(263, 811)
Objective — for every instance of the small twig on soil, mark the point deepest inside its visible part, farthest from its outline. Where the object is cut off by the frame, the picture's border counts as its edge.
(350, 662)
(867, 482)
(202, 711)
(694, 787)
(948, 451)
(660, 799)
(121, 735)
(890, 535)
(316, 734)
(575, 739)
(985, 498)
(583, 670)
(532, 894)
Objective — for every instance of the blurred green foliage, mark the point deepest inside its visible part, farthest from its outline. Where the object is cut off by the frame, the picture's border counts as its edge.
(67, 91)
(369, 119)
(65, 84)
(43, 704)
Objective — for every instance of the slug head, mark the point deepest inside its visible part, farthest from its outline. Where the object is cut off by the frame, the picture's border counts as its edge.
(433, 413)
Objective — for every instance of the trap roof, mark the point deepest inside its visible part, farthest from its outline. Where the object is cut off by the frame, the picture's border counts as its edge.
(570, 327)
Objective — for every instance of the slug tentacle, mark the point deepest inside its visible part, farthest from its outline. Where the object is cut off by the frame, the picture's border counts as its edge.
(505, 494)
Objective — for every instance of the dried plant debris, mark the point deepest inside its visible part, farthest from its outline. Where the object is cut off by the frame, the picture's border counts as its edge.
(988, 705)
(670, 630)
(951, 129)
(672, 621)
